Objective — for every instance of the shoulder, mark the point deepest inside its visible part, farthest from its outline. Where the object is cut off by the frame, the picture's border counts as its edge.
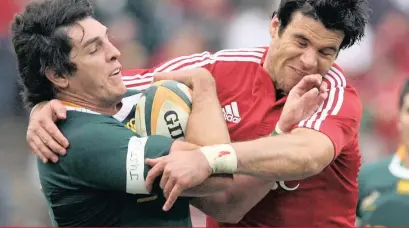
(90, 132)
(343, 98)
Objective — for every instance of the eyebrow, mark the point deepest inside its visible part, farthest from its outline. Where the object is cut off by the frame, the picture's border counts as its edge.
(93, 40)
(300, 36)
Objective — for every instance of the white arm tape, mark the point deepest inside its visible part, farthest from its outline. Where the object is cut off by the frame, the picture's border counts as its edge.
(278, 130)
(222, 158)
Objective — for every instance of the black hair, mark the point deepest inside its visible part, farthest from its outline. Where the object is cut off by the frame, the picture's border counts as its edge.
(404, 91)
(349, 16)
(41, 43)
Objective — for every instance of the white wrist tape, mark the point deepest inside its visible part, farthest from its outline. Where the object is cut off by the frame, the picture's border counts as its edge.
(222, 158)
(278, 130)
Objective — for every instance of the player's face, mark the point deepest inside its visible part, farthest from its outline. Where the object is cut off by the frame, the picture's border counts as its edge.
(404, 120)
(305, 47)
(98, 76)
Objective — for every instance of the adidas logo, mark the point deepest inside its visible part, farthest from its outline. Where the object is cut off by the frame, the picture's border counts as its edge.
(231, 113)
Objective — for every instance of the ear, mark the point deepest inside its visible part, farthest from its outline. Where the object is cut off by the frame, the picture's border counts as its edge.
(274, 26)
(58, 81)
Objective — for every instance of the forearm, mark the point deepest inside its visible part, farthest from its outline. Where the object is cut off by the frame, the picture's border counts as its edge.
(231, 206)
(206, 126)
(282, 157)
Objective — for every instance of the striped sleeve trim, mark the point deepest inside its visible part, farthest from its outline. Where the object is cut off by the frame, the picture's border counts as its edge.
(330, 107)
(143, 81)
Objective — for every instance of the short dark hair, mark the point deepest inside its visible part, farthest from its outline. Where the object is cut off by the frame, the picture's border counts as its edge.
(404, 91)
(349, 16)
(41, 42)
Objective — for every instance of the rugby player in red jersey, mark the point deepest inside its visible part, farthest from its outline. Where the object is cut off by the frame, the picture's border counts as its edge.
(315, 162)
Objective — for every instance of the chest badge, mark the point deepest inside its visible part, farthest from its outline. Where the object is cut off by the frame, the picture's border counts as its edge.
(231, 113)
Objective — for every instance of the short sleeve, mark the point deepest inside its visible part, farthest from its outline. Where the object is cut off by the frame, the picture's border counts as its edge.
(142, 78)
(339, 116)
(109, 156)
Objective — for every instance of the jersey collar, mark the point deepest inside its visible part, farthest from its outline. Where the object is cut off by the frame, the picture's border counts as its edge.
(396, 167)
(77, 108)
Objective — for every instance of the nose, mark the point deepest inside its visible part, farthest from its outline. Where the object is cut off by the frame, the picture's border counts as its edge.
(112, 53)
(309, 59)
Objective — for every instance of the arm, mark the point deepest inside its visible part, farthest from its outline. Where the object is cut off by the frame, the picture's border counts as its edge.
(237, 200)
(43, 136)
(118, 163)
(309, 148)
(206, 125)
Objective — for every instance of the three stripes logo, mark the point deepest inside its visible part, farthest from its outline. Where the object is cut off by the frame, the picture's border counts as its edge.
(231, 113)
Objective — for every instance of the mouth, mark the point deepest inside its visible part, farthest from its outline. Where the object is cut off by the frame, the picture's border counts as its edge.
(116, 72)
(299, 72)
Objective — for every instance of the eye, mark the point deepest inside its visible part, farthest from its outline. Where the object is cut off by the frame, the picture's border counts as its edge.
(302, 44)
(94, 49)
(327, 53)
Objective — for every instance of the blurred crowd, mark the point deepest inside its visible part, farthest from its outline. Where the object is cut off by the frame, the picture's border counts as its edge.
(148, 32)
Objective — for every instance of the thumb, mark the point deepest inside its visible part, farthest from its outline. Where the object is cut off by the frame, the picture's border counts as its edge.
(58, 109)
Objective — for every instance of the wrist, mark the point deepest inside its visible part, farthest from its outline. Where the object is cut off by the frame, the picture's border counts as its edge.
(278, 130)
(221, 158)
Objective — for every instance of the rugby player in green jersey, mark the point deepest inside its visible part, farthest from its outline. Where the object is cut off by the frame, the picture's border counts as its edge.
(384, 185)
(64, 53)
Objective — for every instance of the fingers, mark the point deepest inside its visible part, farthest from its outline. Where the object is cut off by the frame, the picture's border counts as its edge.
(323, 87)
(155, 172)
(36, 151)
(309, 82)
(169, 184)
(174, 194)
(58, 109)
(43, 149)
(53, 138)
(164, 179)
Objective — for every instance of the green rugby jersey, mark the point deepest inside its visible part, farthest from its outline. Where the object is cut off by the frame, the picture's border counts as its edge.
(384, 193)
(100, 182)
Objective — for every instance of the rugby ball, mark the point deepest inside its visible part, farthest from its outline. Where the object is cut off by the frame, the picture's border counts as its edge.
(164, 109)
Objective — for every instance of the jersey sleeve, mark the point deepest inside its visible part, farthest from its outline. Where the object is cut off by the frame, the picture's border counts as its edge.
(339, 116)
(142, 78)
(110, 157)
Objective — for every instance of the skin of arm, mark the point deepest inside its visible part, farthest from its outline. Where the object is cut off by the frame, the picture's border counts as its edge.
(295, 156)
(207, 126)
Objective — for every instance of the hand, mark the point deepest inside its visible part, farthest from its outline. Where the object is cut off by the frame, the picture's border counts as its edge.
(182, 169)
(303, 100)
(43, 136)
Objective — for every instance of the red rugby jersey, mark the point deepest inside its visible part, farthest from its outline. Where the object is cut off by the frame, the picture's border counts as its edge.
(247, 95)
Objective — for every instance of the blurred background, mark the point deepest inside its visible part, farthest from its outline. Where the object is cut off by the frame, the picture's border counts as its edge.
(148, 32)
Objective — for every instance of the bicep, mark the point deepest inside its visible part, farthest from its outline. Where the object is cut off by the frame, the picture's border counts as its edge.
(319, 146)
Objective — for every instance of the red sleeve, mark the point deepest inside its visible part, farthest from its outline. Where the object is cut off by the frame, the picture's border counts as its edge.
(142, 78)
(339, 116)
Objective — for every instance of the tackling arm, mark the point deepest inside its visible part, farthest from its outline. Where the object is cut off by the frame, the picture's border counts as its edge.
(206, 125)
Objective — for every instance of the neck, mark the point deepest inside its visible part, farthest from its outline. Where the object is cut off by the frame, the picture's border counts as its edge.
(105, 108)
